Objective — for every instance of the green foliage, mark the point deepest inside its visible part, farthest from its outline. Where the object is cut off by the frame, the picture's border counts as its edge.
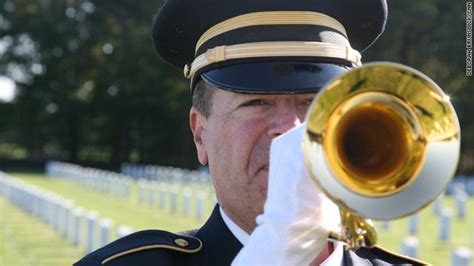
(11, 151)
(92, 82)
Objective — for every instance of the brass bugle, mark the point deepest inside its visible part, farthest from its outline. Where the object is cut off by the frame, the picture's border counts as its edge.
(382, 141)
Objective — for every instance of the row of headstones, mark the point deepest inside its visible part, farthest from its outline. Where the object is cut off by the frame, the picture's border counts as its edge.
(60, 214)
(165, 173)
(444, 215)
(409, 246)
(165, 196)
(466, 182)
(63, 217)
(461, 200)
(162, 185)
(120, 184)
(460, 256)
(99, 180)
(444, 225)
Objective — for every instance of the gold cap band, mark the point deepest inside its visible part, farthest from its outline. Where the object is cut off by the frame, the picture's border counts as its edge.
(271, 18)
(272, 49)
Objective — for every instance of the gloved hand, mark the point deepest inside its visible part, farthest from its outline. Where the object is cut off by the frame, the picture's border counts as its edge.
(297, 216)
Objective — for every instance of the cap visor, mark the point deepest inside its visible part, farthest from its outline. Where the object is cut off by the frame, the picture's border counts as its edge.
(274, 77)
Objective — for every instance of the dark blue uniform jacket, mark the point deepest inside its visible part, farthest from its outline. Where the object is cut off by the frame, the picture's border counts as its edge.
(212, 244)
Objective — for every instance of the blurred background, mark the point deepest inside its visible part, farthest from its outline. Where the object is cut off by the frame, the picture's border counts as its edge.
(80, 83)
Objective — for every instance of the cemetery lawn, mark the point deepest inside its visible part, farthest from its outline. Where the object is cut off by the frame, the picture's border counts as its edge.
(129, 212)
(432, 250)
(122, 211)
(26, 241)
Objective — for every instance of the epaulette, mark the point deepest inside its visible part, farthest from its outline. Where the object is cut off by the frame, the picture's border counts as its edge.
(413, 261)
(143, 242)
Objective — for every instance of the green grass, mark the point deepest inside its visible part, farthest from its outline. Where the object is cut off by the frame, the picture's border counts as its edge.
(121, 211)
(138, 216)
(25, 241)
(430, 249)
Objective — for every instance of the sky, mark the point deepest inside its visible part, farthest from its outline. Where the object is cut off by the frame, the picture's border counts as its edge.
(7, 89)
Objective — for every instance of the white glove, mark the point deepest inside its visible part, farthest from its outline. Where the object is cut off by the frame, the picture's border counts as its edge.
(297, 216)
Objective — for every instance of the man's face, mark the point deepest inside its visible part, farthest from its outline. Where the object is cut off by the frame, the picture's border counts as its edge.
(235, 141)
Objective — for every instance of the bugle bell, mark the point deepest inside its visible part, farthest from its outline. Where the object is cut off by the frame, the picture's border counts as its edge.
(382, 141)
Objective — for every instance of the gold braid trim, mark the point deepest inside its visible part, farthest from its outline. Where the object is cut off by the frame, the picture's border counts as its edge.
(272, 49)
(271, 18)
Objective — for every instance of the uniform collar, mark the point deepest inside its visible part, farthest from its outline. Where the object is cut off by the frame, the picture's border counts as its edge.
(335, 259)
(337, 256)
(220, 246)
(238, 232)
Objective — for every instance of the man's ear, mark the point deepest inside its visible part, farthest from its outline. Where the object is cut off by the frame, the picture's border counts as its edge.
(198, 124)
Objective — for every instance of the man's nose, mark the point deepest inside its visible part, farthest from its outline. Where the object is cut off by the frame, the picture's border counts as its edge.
(284, 118)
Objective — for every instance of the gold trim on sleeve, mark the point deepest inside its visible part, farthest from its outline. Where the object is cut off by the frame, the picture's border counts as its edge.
(134, 250)
(272, 49)
(272, 18)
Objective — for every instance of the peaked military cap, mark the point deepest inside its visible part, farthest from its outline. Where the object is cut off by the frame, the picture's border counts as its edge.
(267, 46)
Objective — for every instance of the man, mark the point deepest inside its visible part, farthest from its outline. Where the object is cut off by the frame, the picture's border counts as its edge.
(254, 68)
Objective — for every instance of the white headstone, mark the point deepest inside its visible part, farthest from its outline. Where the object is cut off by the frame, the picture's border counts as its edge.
(128, 188)
(459, 188)
(152, 194)
(78, 213)
(67, 218)
(445, 225)
(37, 205)
(413, 221)
(162, 198)
(410, 247)
(92, 218)
(186, 201)
(200, 205)
(2, 186)
(57, 214)
(123, 231)
(142, 183)
(461, 257)
(461, 200)
(105, 229)
(470, 186)
(43, 211)
(174, 200)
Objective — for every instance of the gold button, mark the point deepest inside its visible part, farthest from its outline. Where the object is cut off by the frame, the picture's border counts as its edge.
(181, 242)
(187, 71)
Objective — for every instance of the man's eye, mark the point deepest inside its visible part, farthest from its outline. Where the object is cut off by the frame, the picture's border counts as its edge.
(307, 102)
(255, 102)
